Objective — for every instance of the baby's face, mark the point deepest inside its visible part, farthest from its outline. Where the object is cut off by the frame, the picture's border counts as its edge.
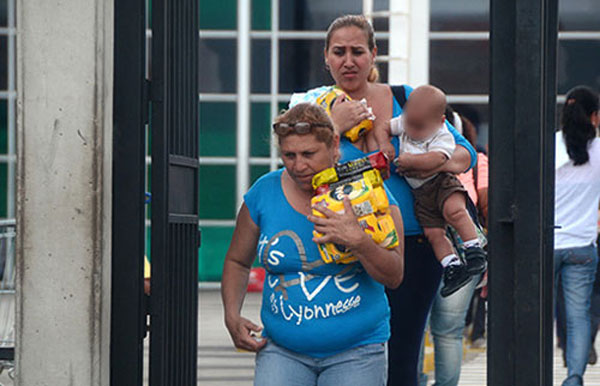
(420, 121)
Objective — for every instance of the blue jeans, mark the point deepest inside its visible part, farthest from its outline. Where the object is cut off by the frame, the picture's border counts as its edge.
(447, 322)
(360, 366)
(577, 269)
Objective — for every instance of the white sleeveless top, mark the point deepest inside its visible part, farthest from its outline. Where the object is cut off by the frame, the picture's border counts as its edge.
(577, 197)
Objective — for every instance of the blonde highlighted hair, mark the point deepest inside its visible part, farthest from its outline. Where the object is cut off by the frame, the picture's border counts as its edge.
(310, 113)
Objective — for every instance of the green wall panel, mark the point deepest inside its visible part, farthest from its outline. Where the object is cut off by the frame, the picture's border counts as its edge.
(218, 14)
(260, 116)
(3, 150)
(215, 242)
(217, 192)
(3, 127)
(3, 189)
(217, 129)
(257, 171)
(261, 14)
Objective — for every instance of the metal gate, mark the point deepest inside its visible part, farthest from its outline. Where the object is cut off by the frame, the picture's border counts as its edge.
(170, 97)
(175, 234)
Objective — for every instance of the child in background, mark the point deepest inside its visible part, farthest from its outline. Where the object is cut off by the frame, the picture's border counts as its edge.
(440, 199)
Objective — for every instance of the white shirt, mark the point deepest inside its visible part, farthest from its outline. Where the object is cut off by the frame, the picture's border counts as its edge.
(577, 197)
(442, 141)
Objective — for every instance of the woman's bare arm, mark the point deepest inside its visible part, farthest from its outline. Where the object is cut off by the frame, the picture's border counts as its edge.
(457, 164)
(238, 261)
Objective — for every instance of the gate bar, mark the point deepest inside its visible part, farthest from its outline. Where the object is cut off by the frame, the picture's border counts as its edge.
(127, 310)
(243, 101)
(523, 103)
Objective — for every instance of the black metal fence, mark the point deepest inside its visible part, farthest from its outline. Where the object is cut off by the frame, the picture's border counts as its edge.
(175, 235)
(172, 97)
(523, 102)
(129, 117)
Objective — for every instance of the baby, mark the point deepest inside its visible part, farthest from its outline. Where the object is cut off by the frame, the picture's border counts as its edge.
(440, 199)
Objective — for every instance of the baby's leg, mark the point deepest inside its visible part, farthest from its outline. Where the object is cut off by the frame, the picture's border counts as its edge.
(455, 213)
(442, 247)
(456, 275)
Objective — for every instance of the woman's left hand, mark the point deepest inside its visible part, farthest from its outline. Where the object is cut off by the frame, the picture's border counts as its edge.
(338, 228)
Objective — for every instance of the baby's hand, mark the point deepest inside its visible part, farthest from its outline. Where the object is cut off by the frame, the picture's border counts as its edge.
(403, 163)
(388, 149)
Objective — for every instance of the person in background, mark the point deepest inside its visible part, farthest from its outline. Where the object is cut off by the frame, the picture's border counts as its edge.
(476, 182)
(349, 54)
(561, 328)
(576, 217)
(447, 316)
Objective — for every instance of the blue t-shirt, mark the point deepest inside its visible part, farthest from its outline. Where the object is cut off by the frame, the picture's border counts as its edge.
(397, 184)
(310, 307)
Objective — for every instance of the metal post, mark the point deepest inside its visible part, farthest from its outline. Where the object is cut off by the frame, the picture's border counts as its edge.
(418, 59)
(523, 103)
(243, 100)
(399, 44)
(409, 42)
(274, 75)
(367, 6)
(129, 115)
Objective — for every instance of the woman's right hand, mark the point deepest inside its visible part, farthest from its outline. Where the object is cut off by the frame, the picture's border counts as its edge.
(346, 114)
(244, 334)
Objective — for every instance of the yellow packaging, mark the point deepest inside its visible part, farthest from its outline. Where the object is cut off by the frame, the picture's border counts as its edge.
(327, 99)
(369, 203)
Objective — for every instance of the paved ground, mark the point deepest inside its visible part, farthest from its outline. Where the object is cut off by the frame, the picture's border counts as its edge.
(221, 365)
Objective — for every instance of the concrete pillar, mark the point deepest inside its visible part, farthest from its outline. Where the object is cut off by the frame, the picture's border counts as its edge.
(64, 125)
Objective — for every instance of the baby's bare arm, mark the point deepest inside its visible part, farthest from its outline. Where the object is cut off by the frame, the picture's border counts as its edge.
(380, 139)
(426, 162)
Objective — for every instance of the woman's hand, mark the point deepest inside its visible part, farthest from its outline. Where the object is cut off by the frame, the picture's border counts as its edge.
(338, 228)
(234, 282)
(243, 333)
(346, 114)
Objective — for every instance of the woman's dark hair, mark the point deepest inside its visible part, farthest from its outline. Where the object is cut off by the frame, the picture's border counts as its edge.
(468, 128)
(576, 124)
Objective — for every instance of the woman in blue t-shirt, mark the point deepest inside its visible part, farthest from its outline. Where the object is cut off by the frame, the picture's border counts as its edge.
(324, 324)
(350, 52)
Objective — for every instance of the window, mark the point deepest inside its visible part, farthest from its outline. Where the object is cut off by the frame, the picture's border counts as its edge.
(459, 53)
(7, 113)
(295, 36)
